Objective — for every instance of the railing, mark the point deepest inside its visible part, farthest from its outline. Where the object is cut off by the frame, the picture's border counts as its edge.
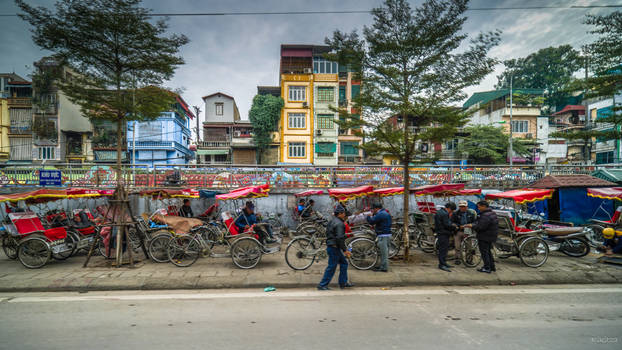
(219, 144)
(19, 101)
(226, 176)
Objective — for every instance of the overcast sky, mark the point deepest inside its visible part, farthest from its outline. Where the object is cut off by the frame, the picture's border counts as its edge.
(234, 54)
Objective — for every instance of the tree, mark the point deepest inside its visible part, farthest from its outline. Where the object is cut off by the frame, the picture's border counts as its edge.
(120, 59)
(264, 115)
(550, 69)
(487, 144)
(606, 81)
(411, 67)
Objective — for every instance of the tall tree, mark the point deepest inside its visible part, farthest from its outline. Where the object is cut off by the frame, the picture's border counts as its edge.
(264, 115)
(119, 55)
(411, 67)
(487, 144)
(604, 56)
(550, 69)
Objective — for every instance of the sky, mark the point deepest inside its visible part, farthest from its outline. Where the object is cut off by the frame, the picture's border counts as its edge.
(235, 54)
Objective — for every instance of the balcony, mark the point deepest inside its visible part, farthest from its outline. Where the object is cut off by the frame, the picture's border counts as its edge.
(20, 102)
(214, 144)
(20, 129)
(325, 77)
(349, 159)
(242, 142)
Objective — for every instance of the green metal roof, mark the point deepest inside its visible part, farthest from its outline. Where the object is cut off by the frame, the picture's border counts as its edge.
(202, 152)
(613, 175)
(487, 96)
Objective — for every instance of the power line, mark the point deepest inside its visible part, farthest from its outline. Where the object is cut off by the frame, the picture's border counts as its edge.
(341, 12)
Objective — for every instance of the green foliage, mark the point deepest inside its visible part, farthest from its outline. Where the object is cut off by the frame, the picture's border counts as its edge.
(519, 99)
(550, 69)
(487, 144)
(117, 57)
(264, 115)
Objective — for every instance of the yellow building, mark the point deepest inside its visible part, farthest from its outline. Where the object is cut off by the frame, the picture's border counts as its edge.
(5, 124)
(297, 119)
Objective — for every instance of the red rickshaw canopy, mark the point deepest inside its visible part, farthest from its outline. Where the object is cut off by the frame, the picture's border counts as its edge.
(614, 193)
(38, 196)
(164, 193)
(246, 192)
(389, 191)
(437, 190)
(309, 193)
(523, 196)
(344, 194)
(465, 192)
(82, 192)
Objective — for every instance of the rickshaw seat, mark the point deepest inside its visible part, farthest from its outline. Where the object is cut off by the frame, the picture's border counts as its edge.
(232, 227)
(87, 230)
(211, 209)
(29, 222)
(426, 207)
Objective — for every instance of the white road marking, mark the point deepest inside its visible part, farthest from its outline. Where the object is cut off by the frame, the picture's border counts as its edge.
(305, 294)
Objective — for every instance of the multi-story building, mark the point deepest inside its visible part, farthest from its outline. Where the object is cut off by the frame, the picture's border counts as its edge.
(227, 138)
(493, 108)
(270, 156)
(605, 151)
(163, 141)
(349, 89)
(17, 128)
(569, 119)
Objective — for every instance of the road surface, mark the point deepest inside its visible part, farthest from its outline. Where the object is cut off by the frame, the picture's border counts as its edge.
(549, 317)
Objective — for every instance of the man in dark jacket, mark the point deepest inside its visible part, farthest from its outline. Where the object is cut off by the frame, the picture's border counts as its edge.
(186, 209)
(461, 217)
(444, 228)
(486, 227)
(336, 249)
(381, 220)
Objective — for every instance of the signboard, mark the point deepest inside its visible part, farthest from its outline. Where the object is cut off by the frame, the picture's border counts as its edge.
(50, 178)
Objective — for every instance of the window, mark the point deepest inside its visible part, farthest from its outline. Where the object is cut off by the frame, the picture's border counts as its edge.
(356, 91)
(296, 149)
(325, 94)
(297, 93)
(297, 120)
(604, 157)
(349, 148)
(520, 126)
(451, 145)
(325, 149)
(325, 121)
(321, 65)
(47, 153)
(220, 107)
(342, 93)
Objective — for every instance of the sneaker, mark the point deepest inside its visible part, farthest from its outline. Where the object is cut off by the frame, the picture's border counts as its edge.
(347, 285)
(447, 266)
(444, 268)
(481, 269)
(377, 269)
(322, 288)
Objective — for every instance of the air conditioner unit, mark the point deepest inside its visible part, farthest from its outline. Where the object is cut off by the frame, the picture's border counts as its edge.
(308, 70)
(305, 105)
(318, 132)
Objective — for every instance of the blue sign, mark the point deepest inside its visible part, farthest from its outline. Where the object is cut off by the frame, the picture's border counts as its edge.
(50, 178)
(463, 164)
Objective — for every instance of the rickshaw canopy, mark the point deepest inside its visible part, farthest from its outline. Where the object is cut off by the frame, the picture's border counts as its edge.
(437, 190)
(309, 193)
(343, 194)
(246, 192)
(165, 193)
(523, 196)
(389, 191)
(38, 196)
(614, 193)
(465, 192)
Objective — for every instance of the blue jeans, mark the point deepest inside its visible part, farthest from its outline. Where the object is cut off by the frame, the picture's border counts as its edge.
(335, 256)
(383, 246)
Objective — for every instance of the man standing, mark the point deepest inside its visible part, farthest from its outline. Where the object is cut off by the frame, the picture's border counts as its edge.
(381, 220)
(461, 217)
(336, 249)
(486, 227)
(444, 228)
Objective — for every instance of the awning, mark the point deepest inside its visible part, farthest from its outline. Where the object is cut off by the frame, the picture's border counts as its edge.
(444, 189)
(325, 147)
(390, 191)
(309, 193)
(344, 194)
(614, 193)
(202, 152)
(523, 196)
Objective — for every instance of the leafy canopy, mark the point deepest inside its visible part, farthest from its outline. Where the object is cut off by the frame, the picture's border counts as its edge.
(264, 115)
(487, 144)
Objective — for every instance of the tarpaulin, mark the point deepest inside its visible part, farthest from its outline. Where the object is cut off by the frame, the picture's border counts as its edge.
(523, 196)
(575, 206)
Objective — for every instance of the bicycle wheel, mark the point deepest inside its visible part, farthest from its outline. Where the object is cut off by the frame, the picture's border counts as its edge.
(158, 247)
(424, 243)
(396, 243)
(300, 253)
(183, 251)
(575, 247)
(71, 244)
(364, 253)
(533, 252)
(9, 245)
(595, 235)
(246, 252)
(470, 254)
(33, 252)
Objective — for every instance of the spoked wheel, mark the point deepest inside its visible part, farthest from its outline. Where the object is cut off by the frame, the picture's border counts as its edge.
(470, 252)
(183, 251)
(595, 235)
(33, 252)
(158, 247)
(71, 244)
(395, 244)
(425, 244)
(533, 251)
(364, 253)
(246, 252)
(101, 248)
(135, 240)
(300, 253)
(9, 245)
(575, 247)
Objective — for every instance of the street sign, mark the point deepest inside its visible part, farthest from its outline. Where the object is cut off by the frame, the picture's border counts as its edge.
(50, 178)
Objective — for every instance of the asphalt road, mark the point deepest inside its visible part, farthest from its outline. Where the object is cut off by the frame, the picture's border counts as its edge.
(549, 317)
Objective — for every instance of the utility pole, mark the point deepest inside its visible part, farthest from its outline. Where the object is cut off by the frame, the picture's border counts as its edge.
(197, 111)
(587, 156)
(511, 105)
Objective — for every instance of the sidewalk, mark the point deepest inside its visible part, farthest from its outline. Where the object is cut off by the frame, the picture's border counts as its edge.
(273, 271)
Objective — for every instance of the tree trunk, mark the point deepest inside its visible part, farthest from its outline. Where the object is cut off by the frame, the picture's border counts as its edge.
(119, 150)
(406, 195)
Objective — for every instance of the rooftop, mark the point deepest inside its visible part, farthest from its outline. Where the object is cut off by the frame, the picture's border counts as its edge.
(570, 108)
(487, 96)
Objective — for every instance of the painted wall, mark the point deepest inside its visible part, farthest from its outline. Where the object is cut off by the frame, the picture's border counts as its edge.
(230, 110)
(305, 134)
(325, 108)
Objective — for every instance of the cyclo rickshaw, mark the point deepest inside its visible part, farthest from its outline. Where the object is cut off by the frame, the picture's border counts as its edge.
(314, 224)
(596, 227)
(244, 247)
(513, 239)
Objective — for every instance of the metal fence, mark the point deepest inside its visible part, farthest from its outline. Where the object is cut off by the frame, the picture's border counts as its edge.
(287, 177)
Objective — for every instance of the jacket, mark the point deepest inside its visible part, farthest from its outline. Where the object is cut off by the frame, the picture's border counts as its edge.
(442, 223)
(245, 219)
(487, 226)
(381, 222)
(186, 212)
(458, 215)
(336, 234)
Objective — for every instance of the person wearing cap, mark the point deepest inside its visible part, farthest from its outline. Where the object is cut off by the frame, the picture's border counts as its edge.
(486, 227)
(381, 220)
(336, 249)
(444, 228)
(248, 218)
(461, 217)
(613, 241)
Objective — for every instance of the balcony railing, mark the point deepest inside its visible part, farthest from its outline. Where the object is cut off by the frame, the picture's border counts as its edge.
(20, 101)
(214, 144)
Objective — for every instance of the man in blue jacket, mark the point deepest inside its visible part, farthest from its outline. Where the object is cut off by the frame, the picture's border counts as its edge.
(381, 220)
(248, 218)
